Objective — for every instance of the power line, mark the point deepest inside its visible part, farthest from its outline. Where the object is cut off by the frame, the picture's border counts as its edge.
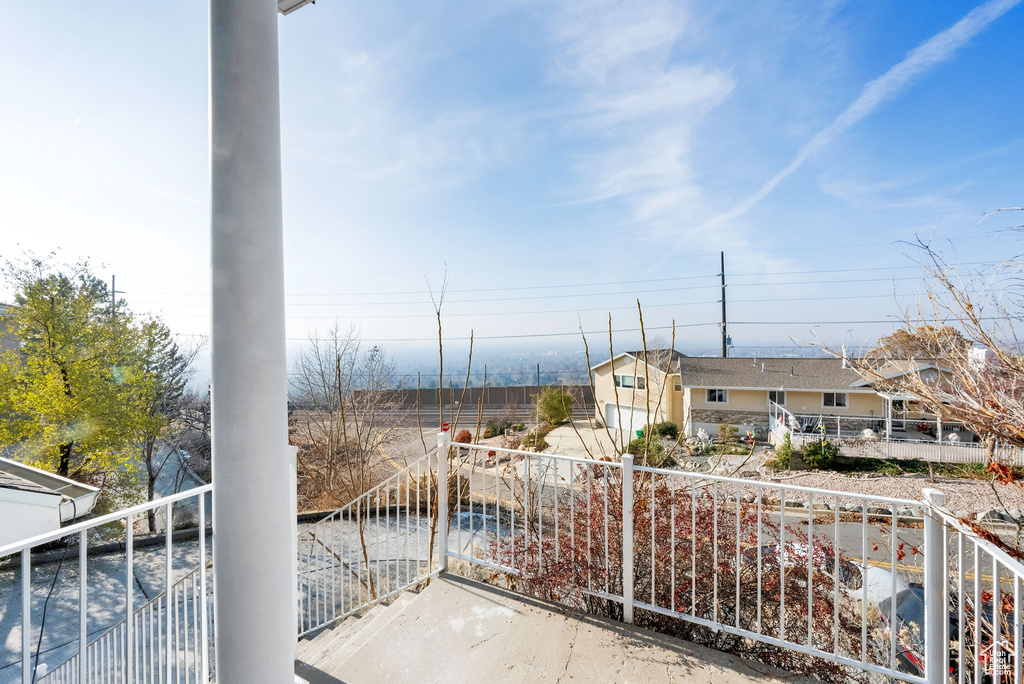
(632, 293)
(596, 284)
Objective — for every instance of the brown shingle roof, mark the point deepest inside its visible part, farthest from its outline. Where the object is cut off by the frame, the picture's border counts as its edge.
(791, 373)
(658, 356)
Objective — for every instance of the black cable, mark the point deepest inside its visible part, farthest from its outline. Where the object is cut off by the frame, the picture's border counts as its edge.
(46, 603)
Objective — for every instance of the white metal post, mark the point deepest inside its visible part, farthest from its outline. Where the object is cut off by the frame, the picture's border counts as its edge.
(936, 648)
(627, 538)
(83, 599)
(253, 528)
(129, 576)
(26, 616)
(442, 502)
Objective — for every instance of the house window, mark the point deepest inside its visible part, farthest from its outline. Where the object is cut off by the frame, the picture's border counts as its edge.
(717, 396)
(679, 386)
(834, 399)
(631, 381)
(777, 397)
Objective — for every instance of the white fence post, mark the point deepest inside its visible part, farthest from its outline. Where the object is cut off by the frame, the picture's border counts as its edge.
(936, 649)
(442, 502)
(627, 538)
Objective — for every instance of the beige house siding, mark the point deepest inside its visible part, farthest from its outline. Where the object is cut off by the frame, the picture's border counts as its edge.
(605, 391)
(860, 404)
(748, 408)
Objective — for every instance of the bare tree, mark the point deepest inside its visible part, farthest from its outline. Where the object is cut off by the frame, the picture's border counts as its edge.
(965, 321)
(346, 413)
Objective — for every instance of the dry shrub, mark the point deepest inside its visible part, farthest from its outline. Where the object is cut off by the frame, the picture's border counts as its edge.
(694, 575)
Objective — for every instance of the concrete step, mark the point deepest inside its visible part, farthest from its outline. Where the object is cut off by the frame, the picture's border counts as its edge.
(323, 644)
(334, 659)
(332, 638)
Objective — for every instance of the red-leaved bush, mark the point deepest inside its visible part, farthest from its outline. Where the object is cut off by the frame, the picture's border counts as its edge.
(697, 555)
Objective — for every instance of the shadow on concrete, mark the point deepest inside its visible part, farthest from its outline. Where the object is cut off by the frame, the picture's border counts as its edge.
(311, 675)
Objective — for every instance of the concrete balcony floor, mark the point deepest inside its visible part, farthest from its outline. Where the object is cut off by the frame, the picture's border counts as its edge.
(459, 630)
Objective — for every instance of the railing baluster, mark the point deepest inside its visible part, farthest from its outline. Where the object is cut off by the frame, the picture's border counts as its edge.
(782, 563)
(654, 544)
(26, 616)
(83, 605)
(129, 576)
(714, 552)
(810, 569)
(168, 510)
(736, 568)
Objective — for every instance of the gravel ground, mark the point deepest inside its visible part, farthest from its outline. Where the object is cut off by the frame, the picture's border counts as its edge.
(972, 496)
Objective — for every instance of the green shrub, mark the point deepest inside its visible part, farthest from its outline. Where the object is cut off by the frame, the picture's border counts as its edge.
(783, 454)
(666, 429)
(498, 426)
(820, 454)
(554, 406)
(519, 426)
(727, 433)
(657, 457)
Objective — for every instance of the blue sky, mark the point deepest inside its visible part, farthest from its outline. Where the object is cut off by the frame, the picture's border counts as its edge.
(562, 158)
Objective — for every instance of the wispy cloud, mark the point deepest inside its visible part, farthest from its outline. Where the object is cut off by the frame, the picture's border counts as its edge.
(933, 51)
(636, 107)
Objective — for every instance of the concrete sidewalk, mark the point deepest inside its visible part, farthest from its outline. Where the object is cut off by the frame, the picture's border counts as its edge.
(458, 630)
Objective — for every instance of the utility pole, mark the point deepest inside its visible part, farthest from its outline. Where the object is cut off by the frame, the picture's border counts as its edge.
(725, 335)
(538, 377)
(113, 296)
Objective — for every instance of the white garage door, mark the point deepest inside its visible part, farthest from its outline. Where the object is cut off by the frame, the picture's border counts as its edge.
(629, 419)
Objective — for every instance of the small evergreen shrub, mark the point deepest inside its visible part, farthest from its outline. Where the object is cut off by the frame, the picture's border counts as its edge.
(657, 457)
(783, 454)
(554, 406)
(820, 454)
(498, 426)
(666, 429)
(464, 437)
(727, 433)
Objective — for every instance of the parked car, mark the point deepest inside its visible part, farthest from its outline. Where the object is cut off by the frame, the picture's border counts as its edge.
(908, 624)
(853, 575)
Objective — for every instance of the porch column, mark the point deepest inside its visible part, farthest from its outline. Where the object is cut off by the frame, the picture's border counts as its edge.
(254, 491)
(888, 418)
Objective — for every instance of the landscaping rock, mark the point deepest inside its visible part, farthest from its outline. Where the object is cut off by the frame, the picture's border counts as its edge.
(1016, 514)
(994, 516)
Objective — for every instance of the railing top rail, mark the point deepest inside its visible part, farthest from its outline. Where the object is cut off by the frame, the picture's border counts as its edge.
(538, 454)
(1004, 558)
(369, 492)
(776, 485)
(19, 546)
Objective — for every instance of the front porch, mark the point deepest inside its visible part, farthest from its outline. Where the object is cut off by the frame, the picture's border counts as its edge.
(895, 434)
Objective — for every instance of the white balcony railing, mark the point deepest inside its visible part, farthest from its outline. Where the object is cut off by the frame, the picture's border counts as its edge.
(102, 603)
(803, 577)
(809, 573)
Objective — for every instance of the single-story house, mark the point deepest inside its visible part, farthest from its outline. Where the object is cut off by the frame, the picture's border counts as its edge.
(701, 392)
(34, 502)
